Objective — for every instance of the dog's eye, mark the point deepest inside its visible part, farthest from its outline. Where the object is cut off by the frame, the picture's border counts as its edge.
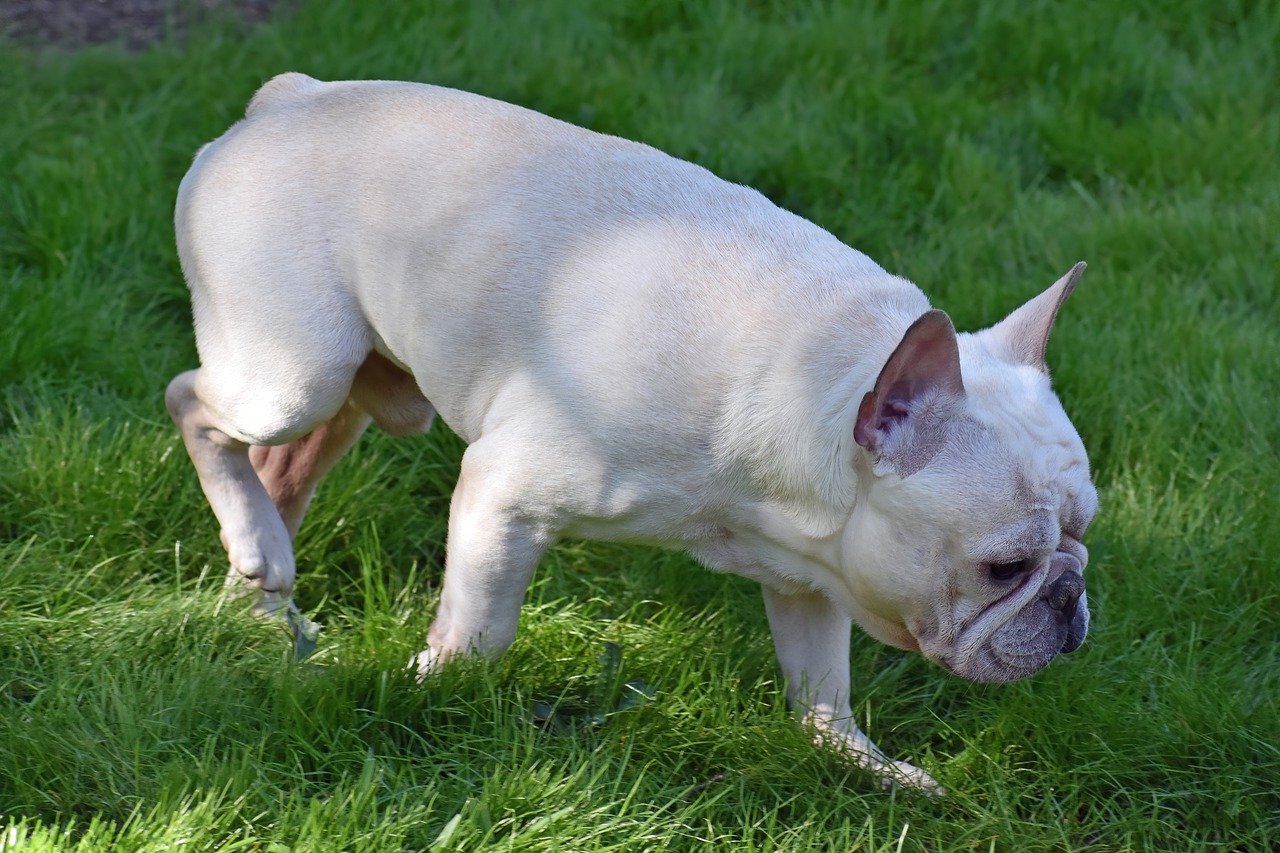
(1008, 571)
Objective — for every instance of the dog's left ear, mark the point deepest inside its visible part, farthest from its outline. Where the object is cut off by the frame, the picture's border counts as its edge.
(1023, 336)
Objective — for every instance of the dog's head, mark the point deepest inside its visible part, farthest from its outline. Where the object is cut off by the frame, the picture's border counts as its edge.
(974, 496)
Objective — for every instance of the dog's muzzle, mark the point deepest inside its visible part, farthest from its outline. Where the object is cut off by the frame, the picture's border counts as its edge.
(1054, 622)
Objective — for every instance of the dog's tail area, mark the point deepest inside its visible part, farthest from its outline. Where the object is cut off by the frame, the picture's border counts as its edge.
(281, 89)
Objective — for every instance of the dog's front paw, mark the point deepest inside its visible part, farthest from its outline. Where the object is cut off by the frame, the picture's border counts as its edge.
(903, 775)
(425, 663)
(846, 738)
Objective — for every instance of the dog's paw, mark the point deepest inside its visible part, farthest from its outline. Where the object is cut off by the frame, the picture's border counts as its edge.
(900, 774)
(268, 571)
(849, 740)
(425, 663)
(249, 593)
(261, 603)
(271, 605)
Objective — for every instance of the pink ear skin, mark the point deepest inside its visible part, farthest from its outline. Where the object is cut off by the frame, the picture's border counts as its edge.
(901, 417)
(1023, 336)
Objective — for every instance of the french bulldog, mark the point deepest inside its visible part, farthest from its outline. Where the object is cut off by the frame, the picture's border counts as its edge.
(633, 349)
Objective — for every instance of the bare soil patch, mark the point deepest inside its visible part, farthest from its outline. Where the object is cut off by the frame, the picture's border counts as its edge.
(133, 23)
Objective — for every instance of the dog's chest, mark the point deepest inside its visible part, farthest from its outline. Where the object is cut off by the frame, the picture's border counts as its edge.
(771, 551)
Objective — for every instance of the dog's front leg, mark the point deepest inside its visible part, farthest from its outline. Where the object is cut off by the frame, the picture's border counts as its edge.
(811, 637)
(494, 546)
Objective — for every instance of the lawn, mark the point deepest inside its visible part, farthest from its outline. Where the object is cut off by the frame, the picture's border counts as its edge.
(978, 150)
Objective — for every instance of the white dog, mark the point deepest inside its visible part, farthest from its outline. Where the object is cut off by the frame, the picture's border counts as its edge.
(634, 350)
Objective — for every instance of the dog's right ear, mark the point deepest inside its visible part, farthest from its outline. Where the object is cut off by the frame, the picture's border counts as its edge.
(901, 420)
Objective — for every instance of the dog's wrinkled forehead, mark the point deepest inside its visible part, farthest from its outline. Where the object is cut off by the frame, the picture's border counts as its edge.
(994, 501)
(1019, 431)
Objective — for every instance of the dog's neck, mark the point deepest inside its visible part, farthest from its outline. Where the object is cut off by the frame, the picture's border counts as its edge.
(786, 429)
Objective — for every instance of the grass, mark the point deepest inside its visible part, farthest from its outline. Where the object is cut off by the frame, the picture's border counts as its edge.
(979, 151)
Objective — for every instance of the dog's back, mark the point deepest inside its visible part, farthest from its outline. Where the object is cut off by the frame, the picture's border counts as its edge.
(422, 222)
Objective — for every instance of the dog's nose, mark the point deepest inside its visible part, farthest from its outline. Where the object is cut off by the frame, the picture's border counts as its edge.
(1065, 592)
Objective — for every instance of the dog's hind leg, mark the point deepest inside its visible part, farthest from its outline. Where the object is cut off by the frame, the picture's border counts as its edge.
(220, 416)
(290, 472)
(494, 545)
(381, 392)
(281, 337)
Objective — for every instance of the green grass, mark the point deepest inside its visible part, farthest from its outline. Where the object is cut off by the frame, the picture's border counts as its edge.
(978, 151)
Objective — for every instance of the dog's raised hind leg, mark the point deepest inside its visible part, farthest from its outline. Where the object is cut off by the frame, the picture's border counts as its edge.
(257, 542)
(290, 472)
(381, 393)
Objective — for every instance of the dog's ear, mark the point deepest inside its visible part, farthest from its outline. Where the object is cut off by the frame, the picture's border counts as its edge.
(901, 420)
(1023, 336)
